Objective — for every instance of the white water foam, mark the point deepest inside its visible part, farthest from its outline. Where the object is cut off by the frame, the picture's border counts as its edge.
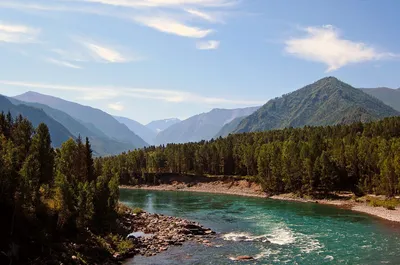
(266, 253)
(238, 236)
(282, 236)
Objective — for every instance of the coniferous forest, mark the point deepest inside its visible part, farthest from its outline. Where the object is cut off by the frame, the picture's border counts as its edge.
(360, 157)
(48, 195)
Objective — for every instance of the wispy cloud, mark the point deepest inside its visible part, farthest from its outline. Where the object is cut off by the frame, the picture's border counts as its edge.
(85, 50)
(166, 3)
(168, 16)
(171, 26)
(104, 53)
(116, 106)
(14, 33)
(207, 45)
(325, 45)
(101, 92)
(202, 15)
(62, 63)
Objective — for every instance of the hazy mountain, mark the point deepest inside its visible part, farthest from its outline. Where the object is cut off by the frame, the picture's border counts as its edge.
(201, 127)
(328, 101)
(160, 125)
(389, 96)
(101, 144)
(58, 132)
(229, 127)
(98, 118)
(144, 132)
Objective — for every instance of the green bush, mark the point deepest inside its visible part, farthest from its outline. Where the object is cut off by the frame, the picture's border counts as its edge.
(389, 204)
(137, 210)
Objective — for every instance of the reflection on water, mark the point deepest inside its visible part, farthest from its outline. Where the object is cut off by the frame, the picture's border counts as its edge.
(274, 232)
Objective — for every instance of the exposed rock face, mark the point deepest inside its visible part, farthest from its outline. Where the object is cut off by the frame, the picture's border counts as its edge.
(160, 231)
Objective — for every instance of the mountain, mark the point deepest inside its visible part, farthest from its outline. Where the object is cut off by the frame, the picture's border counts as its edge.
(229, 127)
(101, 144)
(201, 127)
(58, 132)
(389, 96)
(328, 101)
(84, 114)
(144, 132)
(160, 125)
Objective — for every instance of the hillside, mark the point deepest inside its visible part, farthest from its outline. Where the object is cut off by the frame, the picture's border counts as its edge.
(201, 127)
(328, 101)
(389, 96)
(101, 144)
(229, 127)
(58, 132)
(98, 118)
(161, 125)
(142, 131)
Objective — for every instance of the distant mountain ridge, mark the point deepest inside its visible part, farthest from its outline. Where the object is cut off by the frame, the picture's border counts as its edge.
(328, 101)
(158, 126)
(101, 144)
(141, 130)
(101, 120)
(203, 126)
(58, 132)
(389, 96)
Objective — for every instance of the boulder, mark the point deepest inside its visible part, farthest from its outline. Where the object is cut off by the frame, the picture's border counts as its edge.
(239, 258)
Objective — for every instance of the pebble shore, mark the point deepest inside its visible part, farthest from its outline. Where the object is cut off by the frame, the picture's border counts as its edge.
(162, 232)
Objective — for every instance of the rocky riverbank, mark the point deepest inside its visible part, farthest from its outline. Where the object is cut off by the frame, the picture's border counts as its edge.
(155, 233)
(251, 189)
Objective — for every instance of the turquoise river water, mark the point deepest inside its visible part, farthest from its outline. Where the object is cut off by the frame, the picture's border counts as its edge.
(274, 232)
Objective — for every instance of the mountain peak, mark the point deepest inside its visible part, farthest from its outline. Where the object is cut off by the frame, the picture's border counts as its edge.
(325, 102)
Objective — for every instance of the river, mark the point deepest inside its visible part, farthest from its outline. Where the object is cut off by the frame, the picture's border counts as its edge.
(274, 232)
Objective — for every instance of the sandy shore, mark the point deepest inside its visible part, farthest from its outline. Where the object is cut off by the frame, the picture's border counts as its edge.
(245, 188)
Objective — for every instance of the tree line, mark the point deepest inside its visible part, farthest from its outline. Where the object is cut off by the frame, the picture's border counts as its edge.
(46, 193)
(359, 157)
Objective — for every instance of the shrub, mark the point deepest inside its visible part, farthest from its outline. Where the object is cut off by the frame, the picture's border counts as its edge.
(389, 204)
(137, 210)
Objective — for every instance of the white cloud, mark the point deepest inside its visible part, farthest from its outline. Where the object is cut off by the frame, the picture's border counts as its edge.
(13, 33)
(101, 93)
(63, 63)
(207, 45)
(325, 45)
(169, 16)
(85, 50)
(171, 26)
(202, 15)
(116, 106)
(165, 3)
(103, 53)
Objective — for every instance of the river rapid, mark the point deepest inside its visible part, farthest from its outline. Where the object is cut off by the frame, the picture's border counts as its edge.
(271, 231)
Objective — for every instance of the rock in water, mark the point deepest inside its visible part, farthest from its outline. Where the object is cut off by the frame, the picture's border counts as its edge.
(242, 258)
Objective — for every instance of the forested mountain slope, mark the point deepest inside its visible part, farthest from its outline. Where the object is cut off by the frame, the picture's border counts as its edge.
(102, 145)
(202, 126)
(328, 101)
(100, 119)
(58, 132)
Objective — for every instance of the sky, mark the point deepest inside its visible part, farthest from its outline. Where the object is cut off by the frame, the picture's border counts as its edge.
(156, 59)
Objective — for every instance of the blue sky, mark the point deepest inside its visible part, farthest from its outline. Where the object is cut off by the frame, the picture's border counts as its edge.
(155, 59)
